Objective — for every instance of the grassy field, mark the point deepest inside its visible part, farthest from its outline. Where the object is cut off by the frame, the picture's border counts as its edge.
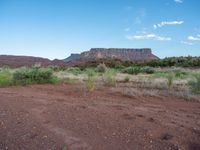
(182, 82)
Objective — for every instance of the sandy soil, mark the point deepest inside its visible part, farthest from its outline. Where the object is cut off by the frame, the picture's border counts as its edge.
(53, 117)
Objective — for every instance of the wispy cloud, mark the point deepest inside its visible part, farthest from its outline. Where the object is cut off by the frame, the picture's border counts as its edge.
(148, 37)
(155, 26)
(128, 8)
(127, 29)
(140, 16)
(192, 38)
(178, 1)
(167, 23)
(187, 43)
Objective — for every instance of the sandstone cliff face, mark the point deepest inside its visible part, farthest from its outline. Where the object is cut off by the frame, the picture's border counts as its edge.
(119, 53)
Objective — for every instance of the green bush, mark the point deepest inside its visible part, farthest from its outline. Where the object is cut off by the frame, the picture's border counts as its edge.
(74, 70)
(90, 72)
(132, 70)
(195, 84)
(33, 75)
(101, 68)
(5, 78)
(119, 66)
(148, 70)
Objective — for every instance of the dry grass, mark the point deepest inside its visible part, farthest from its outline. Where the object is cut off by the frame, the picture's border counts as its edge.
(137, 85)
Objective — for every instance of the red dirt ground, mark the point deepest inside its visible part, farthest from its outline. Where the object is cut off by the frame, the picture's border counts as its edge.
(53, 117)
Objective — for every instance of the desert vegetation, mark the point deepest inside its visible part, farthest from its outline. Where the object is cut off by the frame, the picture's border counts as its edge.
(178, 81)
(26, 75)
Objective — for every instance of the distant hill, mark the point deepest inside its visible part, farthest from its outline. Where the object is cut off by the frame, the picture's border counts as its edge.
(94, 54)
(19, 61)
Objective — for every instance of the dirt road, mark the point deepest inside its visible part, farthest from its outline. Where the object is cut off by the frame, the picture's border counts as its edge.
(64, 117)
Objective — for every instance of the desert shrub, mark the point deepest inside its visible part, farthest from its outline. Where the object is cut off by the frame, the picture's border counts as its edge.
(101, 68)
(132, 70)
(110, 78)
(74, 70)
(33, 75)
(195, 84)
(174, 61)
(119, 66)
(90, 72)
(170, 80)
(22, 76)
(179, 72)
(5, 78)
(55, 68)
(148, 70)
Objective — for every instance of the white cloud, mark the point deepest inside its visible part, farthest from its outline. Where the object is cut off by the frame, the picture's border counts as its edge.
(148, 37)
(178, 1)
(192, 38)
(165, 23)
(187, 43)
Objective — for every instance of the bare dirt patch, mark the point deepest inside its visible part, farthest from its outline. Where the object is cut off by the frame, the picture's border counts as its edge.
(65, 117)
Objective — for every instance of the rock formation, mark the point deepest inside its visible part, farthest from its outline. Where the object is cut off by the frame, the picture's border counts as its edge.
(118, 53)
(72, 57)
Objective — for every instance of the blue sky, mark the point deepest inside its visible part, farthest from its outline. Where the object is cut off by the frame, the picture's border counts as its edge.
(57, 28)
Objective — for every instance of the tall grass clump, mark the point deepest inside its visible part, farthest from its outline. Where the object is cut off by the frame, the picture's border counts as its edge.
(110, 77)
(5, 78)
(34, 75)
(90, 82)
(170, 80)
(195, 84)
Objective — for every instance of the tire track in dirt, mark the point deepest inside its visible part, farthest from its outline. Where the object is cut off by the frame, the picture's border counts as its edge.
(73, 143)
